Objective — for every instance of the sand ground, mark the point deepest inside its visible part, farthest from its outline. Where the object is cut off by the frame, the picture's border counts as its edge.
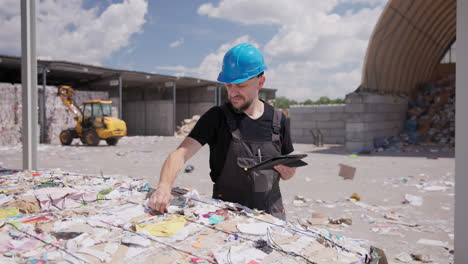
(382, 180)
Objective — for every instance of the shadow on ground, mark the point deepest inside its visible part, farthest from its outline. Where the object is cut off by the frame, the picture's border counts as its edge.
(423, 153)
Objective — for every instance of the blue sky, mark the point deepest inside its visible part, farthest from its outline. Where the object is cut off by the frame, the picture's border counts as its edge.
(169, 21)
(312, 48)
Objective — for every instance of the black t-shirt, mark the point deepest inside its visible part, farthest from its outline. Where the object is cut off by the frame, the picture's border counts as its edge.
(212, 128)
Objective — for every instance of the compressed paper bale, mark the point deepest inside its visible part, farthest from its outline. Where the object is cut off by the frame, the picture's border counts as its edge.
(57, 115)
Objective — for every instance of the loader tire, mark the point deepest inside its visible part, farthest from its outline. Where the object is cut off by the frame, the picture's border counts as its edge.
(112, 141)
(91, 138)
(66, 137)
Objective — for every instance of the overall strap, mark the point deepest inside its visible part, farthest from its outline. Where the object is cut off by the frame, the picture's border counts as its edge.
(231, 122)
(276, 125)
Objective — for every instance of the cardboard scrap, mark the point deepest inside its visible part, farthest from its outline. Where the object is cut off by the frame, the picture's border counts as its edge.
(347, 172)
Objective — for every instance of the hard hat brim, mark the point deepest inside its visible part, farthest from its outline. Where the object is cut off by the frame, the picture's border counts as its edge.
(224, 80)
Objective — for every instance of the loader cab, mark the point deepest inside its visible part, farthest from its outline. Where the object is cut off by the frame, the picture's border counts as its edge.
(97, 108)
(94, 109)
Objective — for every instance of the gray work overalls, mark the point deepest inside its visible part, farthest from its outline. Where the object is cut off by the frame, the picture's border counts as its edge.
(258, 189)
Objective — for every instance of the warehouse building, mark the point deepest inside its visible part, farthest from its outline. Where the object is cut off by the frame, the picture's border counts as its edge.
(152, 104)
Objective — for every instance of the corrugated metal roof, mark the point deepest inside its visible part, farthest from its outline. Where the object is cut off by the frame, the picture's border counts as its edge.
(82, 75)
(408, 42)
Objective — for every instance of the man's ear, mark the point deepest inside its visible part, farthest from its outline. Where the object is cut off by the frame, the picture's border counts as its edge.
(261, 82)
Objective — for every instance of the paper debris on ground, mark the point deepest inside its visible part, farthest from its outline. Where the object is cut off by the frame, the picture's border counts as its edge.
(98, 219)
(430, 242)
(413, 200)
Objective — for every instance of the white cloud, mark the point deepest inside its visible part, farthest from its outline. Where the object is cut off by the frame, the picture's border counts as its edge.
(67, 31)
(264, 11)
(316, 51)
(177, 43)
(211, 65)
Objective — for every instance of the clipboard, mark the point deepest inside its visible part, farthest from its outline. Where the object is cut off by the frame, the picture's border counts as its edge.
(287, 160)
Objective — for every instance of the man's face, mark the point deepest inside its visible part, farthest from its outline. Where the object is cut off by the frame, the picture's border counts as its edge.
(241, 95)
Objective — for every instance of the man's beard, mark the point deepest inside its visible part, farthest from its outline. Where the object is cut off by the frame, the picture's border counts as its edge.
(241, 108)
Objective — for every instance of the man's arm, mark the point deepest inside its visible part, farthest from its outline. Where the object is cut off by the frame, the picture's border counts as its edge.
(285, 172)
(161, 198)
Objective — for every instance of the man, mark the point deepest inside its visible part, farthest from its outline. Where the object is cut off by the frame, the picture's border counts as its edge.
(240, 134)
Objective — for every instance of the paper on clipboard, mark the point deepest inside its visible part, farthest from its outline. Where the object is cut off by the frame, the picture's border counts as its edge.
(287, 160)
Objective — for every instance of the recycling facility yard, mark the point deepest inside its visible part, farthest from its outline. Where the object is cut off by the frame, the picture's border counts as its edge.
(401, 202)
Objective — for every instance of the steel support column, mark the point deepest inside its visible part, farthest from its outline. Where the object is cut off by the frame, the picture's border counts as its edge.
(220, 93)
(120, 95)
(461, 135)
(42, 108)
(216, 95)
(29, 84)
(174, 107)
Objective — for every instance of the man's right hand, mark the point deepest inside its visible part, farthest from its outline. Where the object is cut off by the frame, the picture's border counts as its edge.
(161, 198)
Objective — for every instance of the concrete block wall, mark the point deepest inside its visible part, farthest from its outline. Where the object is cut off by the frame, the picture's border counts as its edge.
(372, 116)
(329, 119)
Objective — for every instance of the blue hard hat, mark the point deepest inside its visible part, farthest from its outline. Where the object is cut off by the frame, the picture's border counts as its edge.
(241, 63)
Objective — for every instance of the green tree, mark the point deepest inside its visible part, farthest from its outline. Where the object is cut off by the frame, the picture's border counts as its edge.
(338, 101)
(323, 100)
(283, 102)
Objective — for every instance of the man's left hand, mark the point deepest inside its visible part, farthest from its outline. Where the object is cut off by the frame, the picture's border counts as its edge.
(285, 172)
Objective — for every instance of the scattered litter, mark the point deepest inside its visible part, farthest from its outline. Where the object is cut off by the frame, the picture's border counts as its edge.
(189, 169)
(422, 258)
(435, 188)
(355, 197)
(404, 257)
(325, 204)
(187, 125)
(317, 219)
(299, 201)
(403, 223)
(392, 215)
(145, 188)
(142, 150)
(340, 221)
(347, 172)
(429, 242)
(413, 200)
(387, 230)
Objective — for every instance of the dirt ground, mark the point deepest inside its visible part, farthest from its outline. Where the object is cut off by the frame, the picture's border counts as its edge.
(382, 180)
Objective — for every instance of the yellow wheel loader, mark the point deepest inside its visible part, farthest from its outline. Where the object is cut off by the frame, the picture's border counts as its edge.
(93, 122)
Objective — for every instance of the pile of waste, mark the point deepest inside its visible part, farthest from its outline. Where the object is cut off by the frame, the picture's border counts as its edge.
(430, 118)
(57, 115)
(187, 125)
(59, 217)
